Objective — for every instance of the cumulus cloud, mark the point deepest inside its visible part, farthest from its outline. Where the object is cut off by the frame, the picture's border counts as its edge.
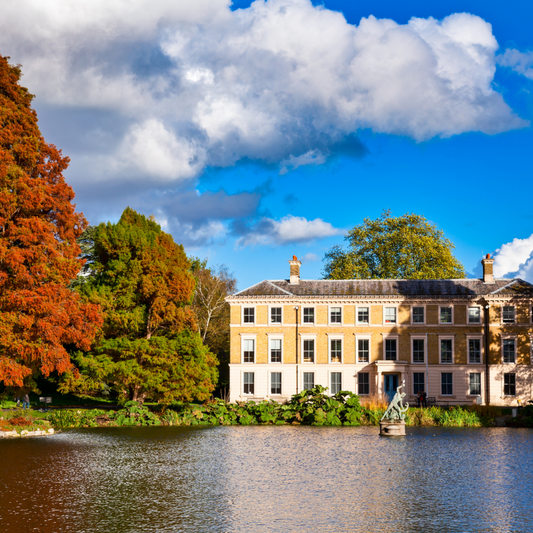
(515, 259)
(313, 157)
(521, 62)
(310, 258)
(289, 229)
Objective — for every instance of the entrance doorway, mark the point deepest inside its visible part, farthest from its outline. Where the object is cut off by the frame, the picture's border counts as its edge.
(390, 385)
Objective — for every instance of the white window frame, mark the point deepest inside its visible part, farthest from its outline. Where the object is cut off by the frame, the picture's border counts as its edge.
(363, 338)
(423, 306)
(335, 337)
(503, 385)
(307, 337)
(473, 338)
(330, 307)
(396, 312)
(470, 393)
(513, 338)
(501, 314)
(270, 393)
(243, 323)
(418, 338)
(314, 315)
(275, 337)
(440, 384)
(447, 338)
(357, 315)
(303, 380)
(242, 383)
(270, 307)
(369, 384)
(245, 337)
(478, 307)
(453, 315)
(390, 338)
(330, 375)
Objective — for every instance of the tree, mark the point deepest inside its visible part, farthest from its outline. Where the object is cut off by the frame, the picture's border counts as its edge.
(149, 346)
(39, 314)
(405, 247)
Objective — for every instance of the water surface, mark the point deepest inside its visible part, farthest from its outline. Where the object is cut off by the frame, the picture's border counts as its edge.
(268, 479)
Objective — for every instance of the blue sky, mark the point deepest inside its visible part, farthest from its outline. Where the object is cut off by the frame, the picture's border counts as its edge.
(255, 132)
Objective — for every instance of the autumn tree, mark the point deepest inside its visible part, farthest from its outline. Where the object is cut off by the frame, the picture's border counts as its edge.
(149, 346)
(39, 314)
(404, 247)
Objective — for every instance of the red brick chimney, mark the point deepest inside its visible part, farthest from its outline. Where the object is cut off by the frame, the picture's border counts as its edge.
(488, 273)
(295, 271)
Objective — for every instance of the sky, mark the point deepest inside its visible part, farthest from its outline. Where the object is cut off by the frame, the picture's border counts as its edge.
(256, 131)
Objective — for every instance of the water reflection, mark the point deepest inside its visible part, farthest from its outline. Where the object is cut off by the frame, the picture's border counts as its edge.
(267, 479)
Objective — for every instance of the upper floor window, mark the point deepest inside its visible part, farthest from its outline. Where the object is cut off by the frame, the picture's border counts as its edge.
(363, 350)
(309, 350)
(390, 315)
(474, 315)
(418, 350)
(446, 315)
(474, 351)
(275, 315)
(335, 315)
(363, 315)
(248, 315)
(390, 349)
(275, 350)
(248, 350)
(309, 315)
(335, 350)
(418, 315)
(508, 349)
(446, 351)
(508, 314)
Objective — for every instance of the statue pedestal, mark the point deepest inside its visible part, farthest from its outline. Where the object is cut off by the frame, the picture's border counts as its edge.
(392, 428)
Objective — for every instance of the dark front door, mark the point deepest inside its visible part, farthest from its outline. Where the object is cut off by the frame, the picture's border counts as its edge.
(391, 384)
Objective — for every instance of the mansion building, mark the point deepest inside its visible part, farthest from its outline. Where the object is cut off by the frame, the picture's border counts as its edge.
(461, 341)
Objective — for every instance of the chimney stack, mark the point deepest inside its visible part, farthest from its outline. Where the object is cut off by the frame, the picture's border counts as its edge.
(295, 271)
(488, 273)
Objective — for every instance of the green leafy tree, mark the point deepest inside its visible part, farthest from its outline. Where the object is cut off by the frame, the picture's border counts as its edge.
(405, 247)
(149, 346)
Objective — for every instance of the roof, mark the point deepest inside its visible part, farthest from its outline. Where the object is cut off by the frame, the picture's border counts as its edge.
(391, 287)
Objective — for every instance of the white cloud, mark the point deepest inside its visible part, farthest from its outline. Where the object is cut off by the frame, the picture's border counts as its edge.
(515, 259)
(289, 229)
(310, 258)
(521, 62)
(282, 80)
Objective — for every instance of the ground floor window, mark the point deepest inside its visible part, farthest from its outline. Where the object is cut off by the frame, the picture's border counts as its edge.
(509, 384)
(363, 383)
(275, 383)
(309, 380)
(336, 382)
(418, 382)
(248, 380)
(475, 383)
(446, 381)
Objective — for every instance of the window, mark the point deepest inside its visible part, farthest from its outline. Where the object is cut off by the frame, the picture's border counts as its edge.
(474, 351)
(275, 315)
(418, 382)
(248, 382)
(418, 350)
(446, 351)
(363, 315)
(335, 315)
(248, 350)
(309, 350)
(275, 383)
(390, 349)
(275, 350)
(508, 316)
(363, 350)
(336, 382)
(509, 384)
(474, 315)
(418, 315)
(475, 384)
(446, 315)
(446, 383)
(335, 351)
(309, 315)
(309, 380)
(363, 383)
(508, 348)
(248, 315)
(390, 315)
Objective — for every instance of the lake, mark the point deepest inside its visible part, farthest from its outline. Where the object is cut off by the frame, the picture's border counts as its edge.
(268, 479)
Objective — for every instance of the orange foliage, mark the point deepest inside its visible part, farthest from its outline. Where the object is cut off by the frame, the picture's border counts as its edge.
(39, 314)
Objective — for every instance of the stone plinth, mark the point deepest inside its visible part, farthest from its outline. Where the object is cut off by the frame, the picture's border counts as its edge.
(392, 428)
